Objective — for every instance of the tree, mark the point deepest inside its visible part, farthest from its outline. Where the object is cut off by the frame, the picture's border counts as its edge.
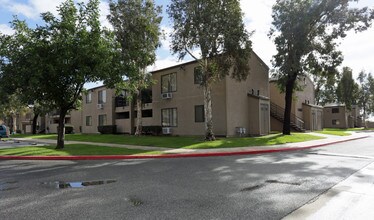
(136, 25)
(12, 108)
(54, 61)
(347, 89)
(215, 29)
(365, 94)
(305, 33)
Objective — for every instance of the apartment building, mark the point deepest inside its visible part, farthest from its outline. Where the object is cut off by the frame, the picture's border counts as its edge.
(49, 122)
(176, 103)
(338, 116)
(305, 115)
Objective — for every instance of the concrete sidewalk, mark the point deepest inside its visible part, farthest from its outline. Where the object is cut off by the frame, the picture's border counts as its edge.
(352, 198)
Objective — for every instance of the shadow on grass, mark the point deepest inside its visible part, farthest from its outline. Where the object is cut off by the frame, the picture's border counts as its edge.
(71, 150)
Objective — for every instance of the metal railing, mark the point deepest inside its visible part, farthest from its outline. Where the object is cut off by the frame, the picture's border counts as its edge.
(278, 112)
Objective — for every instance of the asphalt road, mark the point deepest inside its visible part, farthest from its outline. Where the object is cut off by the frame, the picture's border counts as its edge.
(268, 186)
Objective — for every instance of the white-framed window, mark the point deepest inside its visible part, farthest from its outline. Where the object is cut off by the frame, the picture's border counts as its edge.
(169, 83)
(102, 97)
(89, 97)
(169, 117)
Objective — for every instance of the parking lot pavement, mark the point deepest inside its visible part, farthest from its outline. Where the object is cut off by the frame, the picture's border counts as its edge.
(13, 143)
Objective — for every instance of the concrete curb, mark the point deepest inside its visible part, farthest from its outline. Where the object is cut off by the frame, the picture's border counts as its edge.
(213, 154)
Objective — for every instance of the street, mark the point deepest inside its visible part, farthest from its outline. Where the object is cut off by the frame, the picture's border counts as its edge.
(267, 186)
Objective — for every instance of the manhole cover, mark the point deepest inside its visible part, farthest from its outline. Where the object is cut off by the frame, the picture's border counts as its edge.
(65, 185)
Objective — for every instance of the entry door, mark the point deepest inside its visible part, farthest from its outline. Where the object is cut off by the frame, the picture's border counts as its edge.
(264, 119)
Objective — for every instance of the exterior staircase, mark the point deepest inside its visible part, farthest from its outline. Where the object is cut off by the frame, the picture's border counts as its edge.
(277, 112)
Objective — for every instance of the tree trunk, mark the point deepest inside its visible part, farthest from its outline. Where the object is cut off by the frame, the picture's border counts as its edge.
(138, 131)
(34, 121)
(14, 124)
(209, 135)
(61, 130)
(288, 105)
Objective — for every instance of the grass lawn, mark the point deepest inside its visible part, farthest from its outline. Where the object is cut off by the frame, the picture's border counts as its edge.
(184, 142)
(336, 131)
(71, 149)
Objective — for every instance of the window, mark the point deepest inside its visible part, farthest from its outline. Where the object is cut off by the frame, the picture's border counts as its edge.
(335, 110)
(102, 97)
(147, 113)
(88, 120)
(102, 120)
(169, 83)
(198, 75)
(199, 113)
(89, 97)
(169, 117)
(335, 122)
(123, 115)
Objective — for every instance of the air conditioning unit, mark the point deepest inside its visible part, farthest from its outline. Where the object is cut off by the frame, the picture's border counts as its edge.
(166, 130)
(100, 106)
(167, 95)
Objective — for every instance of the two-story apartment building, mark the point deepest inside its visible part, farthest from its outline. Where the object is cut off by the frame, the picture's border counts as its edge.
(176, 103)
(338, 116)
(305, 115)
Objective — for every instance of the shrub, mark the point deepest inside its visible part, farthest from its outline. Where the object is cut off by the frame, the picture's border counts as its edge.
(69, 129)
(107, 129)
(152, 130)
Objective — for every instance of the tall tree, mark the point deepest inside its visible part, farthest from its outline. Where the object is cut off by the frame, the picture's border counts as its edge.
(13, 107)
(136, 25)
(305, 33)
(216, 30)
(54, 61)
(347, 89)
(365, 94)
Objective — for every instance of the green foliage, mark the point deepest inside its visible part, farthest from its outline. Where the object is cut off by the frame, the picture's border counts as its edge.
(51, 63)
(216, 30)
(347, 89)
(136, 26)
(305, 33)
(366, 93)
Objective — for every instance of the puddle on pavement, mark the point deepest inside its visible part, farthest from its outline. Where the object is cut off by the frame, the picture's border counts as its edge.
(8, 185)
(65, 185)
(283, 182)
(251, 188)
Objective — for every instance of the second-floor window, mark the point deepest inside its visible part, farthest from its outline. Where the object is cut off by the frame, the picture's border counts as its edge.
(198, 75)
(102, 97)
(89, 97)
(169, 83)
(335, 110)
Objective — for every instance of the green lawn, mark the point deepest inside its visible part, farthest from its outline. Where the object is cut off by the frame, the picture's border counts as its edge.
(184, 142)
(336, 131)
(71, 149)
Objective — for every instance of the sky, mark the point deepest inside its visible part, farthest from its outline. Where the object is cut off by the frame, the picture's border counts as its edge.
(357, 48)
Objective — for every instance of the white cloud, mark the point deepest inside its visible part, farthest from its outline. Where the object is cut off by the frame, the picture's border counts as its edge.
(5, 29)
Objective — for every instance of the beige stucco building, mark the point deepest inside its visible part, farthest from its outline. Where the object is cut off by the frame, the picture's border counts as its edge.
(305, 115)
(237, 106)
(338, 116)
(176, 103)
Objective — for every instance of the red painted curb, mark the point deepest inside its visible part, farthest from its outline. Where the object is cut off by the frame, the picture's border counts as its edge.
(215, 154)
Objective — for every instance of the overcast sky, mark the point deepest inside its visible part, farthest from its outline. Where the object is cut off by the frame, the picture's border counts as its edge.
(358, 49)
